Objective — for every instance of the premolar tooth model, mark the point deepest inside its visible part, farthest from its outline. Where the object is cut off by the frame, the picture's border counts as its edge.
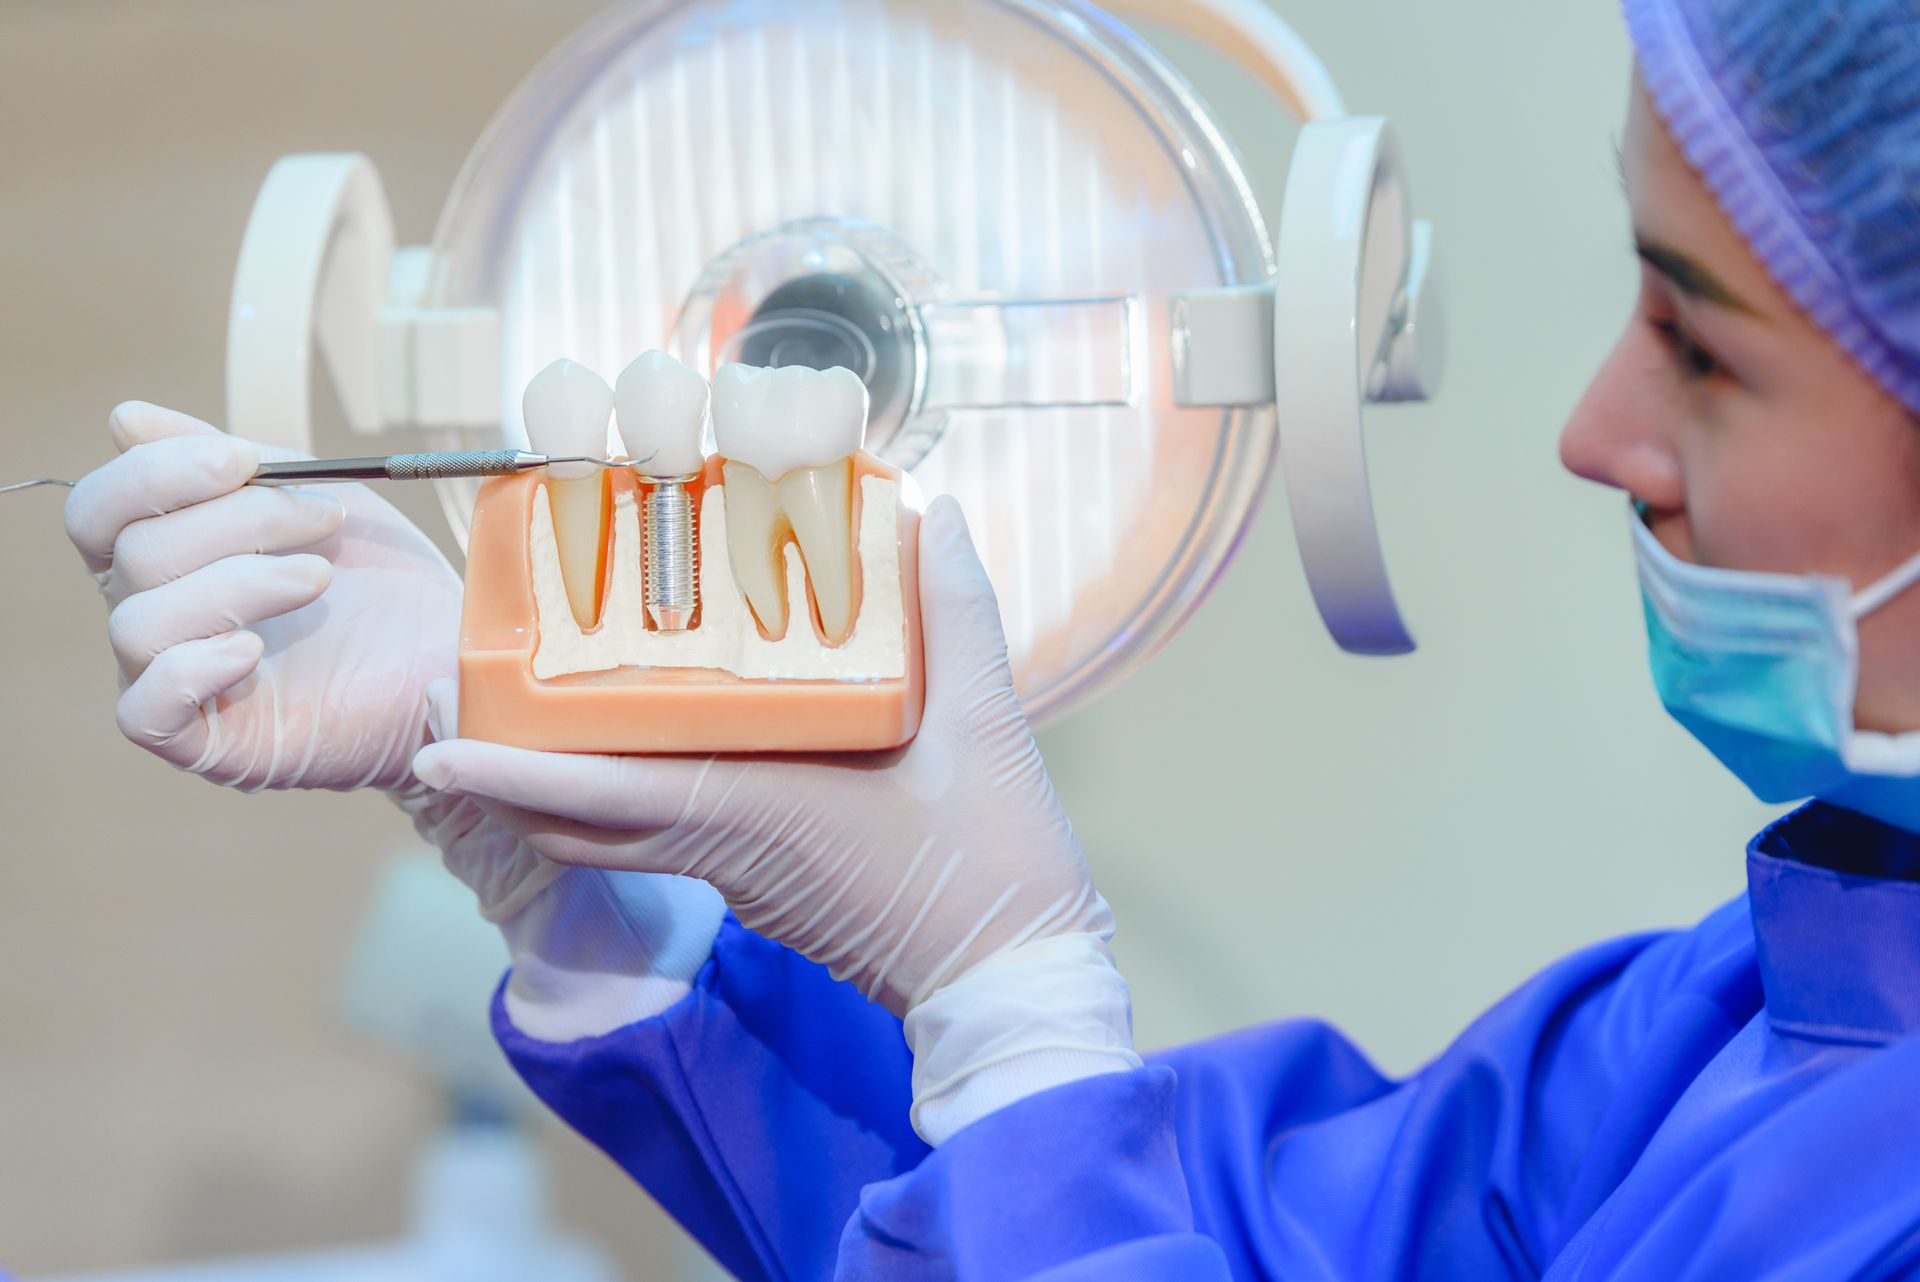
(788, 437)
(663, 414)
(566, 408)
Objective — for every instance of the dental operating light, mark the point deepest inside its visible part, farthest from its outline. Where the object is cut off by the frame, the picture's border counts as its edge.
(1013, 219)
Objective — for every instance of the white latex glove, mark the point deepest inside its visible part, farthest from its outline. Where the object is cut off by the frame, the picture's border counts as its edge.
(277, 638)
(898, 871)
(267, 638)
(592, 950)
(943, 879)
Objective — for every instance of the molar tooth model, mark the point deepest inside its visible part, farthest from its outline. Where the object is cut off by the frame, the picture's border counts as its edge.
(766, 599)
(789, 437)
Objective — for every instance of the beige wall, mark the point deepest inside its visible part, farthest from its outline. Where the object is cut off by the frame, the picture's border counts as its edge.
(1282, 828)
(175, 1081)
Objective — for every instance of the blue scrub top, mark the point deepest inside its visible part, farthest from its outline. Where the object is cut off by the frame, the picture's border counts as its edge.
(1736, 1101)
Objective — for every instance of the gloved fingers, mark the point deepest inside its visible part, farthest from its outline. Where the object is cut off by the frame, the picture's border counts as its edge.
(252, 519)
(137, 422)
(607, 792)
(151, 479)
(960, 615)
(553, 837)
(161, 711)
(569, 841)
(140, 422)
(214, 600)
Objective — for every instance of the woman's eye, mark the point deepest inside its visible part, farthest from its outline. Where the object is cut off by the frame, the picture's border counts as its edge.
(1694, 360)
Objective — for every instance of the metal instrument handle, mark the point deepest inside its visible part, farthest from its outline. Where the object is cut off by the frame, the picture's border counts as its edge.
(398, 467)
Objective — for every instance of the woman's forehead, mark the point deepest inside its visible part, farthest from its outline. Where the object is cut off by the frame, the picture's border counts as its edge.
(1676, 216)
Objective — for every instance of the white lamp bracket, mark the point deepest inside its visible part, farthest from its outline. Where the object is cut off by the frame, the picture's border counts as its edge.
(319, 271)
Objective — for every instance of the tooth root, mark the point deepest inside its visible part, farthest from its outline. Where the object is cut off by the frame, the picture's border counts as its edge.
(757, 533)
(818, 502)
(580, 512)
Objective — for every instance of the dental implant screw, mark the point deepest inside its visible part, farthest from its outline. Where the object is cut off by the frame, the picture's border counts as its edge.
(672, 562)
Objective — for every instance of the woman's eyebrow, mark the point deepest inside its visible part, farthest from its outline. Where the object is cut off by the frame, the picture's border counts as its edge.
(1689, 276)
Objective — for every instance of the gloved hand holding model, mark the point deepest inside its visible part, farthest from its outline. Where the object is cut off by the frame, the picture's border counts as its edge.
(901, 872)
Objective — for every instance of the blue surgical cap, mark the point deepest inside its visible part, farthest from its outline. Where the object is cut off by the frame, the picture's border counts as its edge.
(1803, 117)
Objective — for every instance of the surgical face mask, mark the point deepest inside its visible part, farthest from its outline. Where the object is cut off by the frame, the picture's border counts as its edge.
(1763, 669)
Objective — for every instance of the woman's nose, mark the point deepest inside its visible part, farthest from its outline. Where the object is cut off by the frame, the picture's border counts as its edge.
(1618, 435)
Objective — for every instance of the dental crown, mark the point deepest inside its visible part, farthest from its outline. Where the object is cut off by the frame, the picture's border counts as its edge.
(566, 408)
(777, 420)
(663, 414)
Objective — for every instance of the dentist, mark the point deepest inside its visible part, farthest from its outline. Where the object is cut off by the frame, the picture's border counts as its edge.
(857, 1018)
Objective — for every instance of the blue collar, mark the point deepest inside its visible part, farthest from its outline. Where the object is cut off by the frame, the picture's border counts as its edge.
(1836, 919)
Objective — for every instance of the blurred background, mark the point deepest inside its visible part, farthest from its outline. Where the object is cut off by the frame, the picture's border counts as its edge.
(1282, 829)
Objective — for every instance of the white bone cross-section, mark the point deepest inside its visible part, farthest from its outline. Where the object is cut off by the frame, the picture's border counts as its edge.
(727, 638)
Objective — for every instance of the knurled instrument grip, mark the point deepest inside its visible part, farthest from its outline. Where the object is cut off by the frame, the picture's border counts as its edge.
(400, 467)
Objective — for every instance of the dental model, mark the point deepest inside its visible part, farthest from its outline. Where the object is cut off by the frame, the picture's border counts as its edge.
(566, 408)
(765, 599)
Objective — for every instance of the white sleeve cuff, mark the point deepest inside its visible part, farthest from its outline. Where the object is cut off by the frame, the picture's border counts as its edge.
(1038, 1016)
(596, 950)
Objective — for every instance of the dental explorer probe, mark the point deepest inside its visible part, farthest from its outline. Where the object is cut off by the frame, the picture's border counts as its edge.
(394, 467)
(415, 467)
(27, 485)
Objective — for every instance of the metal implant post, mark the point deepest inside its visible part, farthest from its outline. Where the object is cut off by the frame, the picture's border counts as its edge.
(672, 562)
